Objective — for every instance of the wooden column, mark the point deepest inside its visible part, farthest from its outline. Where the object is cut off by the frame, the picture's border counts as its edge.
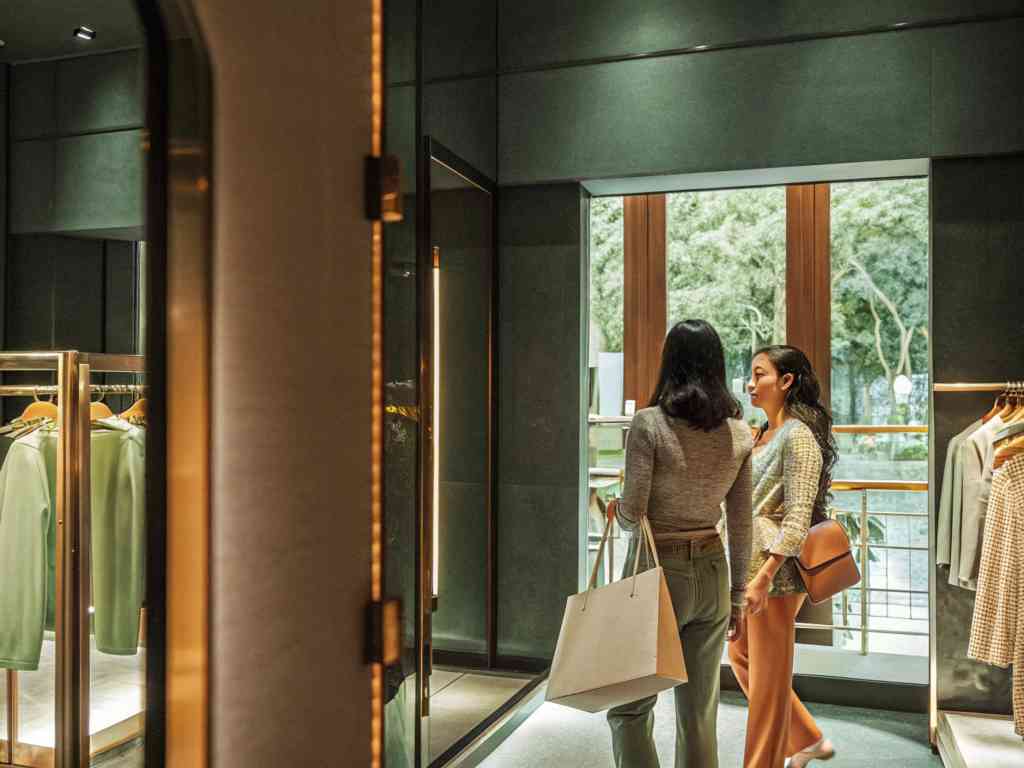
(646, 295)
(809, 320)
(809, 278)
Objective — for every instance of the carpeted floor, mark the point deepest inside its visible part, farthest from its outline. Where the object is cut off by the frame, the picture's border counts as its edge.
(558, 737)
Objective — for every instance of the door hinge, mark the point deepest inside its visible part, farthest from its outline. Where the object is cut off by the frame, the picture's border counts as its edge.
(384, 632)
(383, 189)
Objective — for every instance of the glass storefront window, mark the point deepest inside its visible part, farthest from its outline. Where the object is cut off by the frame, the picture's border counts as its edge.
(879, 338)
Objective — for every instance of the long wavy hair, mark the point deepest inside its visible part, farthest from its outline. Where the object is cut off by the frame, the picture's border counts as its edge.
(803, 402)
(691, 383)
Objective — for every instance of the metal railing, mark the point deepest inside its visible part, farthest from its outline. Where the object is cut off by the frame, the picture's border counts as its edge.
(863, 546)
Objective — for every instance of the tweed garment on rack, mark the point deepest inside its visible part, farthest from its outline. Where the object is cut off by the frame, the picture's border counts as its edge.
(997, 631)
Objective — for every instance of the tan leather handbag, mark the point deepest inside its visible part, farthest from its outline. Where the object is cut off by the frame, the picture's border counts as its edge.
(825, 562)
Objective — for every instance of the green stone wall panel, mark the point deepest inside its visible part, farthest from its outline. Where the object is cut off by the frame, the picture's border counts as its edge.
(78, 283)
(459, 38)
(977, 89)
(977, 229)
(540, 32)
(539, 323)
(29, 294)
(462, 115)
(460, 623)
(31, 189)
(99, 181)
(824, 101)
(539, 395)
(537, 566)
(400, 41)
(33, 100)
(121, 275)
(100, 93)
(400, 135)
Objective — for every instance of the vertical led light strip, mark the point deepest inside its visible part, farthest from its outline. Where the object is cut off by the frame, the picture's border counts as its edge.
(377, 380)
(435, 568)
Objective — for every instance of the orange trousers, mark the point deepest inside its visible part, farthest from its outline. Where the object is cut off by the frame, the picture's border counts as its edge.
(778, 724)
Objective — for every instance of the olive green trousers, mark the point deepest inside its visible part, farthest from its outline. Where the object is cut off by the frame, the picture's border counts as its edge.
(698, 580)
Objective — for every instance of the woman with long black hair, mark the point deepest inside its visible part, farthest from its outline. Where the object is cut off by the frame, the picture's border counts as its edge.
(687, 453)
(793, 458)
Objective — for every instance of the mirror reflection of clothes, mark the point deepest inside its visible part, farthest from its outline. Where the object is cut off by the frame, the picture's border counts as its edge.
(28, 536)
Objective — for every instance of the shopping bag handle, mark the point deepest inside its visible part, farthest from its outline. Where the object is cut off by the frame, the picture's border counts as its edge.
(648, 539)
(600, 553)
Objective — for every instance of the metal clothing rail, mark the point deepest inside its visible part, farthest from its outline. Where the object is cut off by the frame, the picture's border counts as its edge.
(984, 386)
(29, 390)
(74, 392)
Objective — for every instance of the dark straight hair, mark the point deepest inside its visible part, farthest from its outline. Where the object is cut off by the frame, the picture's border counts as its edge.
(691, 383)
(803, 402)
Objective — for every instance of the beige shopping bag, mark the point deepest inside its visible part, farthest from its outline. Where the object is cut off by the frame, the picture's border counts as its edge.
(618, 643)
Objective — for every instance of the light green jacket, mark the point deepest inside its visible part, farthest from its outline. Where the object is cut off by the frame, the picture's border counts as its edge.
(28, 542)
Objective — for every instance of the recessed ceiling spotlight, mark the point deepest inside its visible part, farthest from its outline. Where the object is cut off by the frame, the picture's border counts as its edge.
(2, 43)
(701, 47)
(85, 33)
(901, 24)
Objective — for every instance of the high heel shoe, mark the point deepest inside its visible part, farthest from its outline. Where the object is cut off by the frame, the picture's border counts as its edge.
(822, 750)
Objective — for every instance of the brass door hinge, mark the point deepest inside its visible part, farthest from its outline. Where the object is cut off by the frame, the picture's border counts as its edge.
(383, 189)
(384, 632)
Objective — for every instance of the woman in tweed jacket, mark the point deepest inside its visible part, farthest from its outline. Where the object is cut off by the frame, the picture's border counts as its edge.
(792, 471)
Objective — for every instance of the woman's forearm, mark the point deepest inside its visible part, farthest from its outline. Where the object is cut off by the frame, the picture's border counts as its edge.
(771, 566)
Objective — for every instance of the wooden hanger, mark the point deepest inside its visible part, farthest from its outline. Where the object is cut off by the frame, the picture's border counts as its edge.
(39, 409)
(99, 410)
(137, 411)
(1011, 405)
(997, 407)
(1017, 413)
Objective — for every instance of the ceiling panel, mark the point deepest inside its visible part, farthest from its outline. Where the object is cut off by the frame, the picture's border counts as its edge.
(43, 29)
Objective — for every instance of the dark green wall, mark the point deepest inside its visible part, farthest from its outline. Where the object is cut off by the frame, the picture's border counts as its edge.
(76, 162)
(921, 93)
(977, 231)
(462, 227)
(544, 32)
(542, 288)
(69, 293)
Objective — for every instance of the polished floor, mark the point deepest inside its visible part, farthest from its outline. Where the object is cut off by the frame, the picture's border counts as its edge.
(459, 701)
(116, 690)
(558, 737)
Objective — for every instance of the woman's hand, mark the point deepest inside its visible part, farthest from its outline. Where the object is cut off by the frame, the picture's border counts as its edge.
(756, 597)
(735, 624)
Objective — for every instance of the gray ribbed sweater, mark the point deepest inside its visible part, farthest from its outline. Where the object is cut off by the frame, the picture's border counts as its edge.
(679, 476)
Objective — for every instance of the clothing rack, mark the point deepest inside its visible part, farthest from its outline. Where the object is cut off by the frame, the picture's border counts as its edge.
(943, 731)
(73, 392)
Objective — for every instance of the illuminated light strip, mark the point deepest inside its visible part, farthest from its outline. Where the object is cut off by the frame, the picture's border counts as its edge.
(437, 423)
(377, 379)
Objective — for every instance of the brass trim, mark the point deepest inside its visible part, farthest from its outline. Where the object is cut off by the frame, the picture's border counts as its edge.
(82, 574)
(117, 734)
(13, 714)
(67, 647)
(34, 755)
(880, 485)
(880, 429)
(992, 386)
